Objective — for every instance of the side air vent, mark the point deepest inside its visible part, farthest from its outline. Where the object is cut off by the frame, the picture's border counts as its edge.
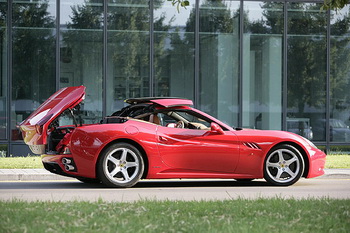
(252, 145)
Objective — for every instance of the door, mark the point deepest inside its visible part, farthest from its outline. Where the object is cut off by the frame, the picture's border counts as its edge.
(198, 150)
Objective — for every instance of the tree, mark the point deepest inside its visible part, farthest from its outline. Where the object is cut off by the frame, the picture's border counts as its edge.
(334, 4)
(306, 59)
(34, 41)
(179, 3)
(339, 65)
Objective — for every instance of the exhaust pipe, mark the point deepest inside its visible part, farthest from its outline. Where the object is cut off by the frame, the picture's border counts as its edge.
(69, 167)
(66, 161)
(68, 164)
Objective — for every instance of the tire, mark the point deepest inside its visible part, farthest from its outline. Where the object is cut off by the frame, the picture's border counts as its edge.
(283, 165)
(120, 166)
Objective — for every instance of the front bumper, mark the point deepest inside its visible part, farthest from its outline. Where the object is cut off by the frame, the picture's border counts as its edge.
(317, 163)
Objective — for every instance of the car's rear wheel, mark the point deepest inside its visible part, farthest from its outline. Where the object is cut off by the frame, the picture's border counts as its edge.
(120, 165)
(283, 165)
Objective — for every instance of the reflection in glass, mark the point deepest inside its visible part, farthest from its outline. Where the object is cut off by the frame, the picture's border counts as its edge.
(306, 72)
(33, 53)
(219, 58)
(128, 52)
(173, 51)
(81, 53)
(340, 76)
(262, 65)
(3, 72)
(3, 150)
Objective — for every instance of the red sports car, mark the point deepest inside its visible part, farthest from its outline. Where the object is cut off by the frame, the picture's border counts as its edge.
(161, 138)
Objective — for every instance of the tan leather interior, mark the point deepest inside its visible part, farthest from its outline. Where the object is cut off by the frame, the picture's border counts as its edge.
(154, 119)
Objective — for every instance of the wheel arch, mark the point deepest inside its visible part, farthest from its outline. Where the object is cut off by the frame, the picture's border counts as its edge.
(302, 152)
(131, 142)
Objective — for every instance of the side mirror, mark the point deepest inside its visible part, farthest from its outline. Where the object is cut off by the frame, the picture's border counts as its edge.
(215, 128)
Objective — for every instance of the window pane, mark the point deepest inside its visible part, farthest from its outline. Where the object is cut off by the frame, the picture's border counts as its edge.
(306, 72)
(33, 48)
(3, 70)
(262, 65)
(340, 76)
(173, 51)
(219, 59)
(81, 53)
(128, 52)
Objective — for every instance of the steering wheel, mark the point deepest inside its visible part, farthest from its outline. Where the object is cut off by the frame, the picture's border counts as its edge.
(180, 124)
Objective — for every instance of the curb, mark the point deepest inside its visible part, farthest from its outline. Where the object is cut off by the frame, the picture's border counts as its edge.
(42, 175)
(29, 175)
(335, 174)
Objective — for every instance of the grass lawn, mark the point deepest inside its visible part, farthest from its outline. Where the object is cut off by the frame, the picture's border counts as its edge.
(262, 215)
(333, 161)
(20, 162)
(338, 161)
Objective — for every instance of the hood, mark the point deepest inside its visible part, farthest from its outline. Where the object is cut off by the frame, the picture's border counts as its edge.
(269, 137)
(34, 128)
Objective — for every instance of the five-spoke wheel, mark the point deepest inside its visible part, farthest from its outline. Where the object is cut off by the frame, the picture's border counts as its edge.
(120, 165)
(283, 165)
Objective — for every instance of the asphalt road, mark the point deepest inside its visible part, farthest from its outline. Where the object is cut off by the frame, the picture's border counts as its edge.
(172, 190)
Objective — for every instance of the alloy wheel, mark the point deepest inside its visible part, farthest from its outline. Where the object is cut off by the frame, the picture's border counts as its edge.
(283, 166)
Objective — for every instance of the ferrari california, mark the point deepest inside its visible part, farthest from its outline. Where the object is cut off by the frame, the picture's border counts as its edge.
(161, 138)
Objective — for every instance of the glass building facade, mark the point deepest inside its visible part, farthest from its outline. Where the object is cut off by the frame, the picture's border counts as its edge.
(279, 65)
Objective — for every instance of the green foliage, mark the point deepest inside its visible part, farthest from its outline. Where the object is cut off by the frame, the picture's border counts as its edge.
(262, 215)
(307, 58)
(179, 3)
(340, 67)
(334, 4)
(33, 40)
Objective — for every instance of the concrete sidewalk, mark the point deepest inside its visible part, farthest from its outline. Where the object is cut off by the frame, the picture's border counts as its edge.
(42, 174)
(29, 175)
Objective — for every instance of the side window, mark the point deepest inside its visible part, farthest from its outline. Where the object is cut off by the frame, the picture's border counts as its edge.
(166, 120)
(194, 120)
(184, 119)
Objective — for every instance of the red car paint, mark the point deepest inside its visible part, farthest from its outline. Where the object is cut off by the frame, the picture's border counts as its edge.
(218, 151)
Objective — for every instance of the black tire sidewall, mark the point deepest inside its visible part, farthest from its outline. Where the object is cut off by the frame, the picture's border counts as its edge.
(301, 162)
(101, 171)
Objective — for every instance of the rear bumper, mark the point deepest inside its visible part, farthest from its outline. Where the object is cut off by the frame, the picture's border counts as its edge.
(54, 164)
(56, 169)
(317, 163)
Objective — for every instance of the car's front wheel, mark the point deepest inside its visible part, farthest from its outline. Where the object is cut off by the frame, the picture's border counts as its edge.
(120, 165)
(283, 165)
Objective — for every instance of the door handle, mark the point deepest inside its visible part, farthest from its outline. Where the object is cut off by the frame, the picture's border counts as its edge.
(162, 139)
